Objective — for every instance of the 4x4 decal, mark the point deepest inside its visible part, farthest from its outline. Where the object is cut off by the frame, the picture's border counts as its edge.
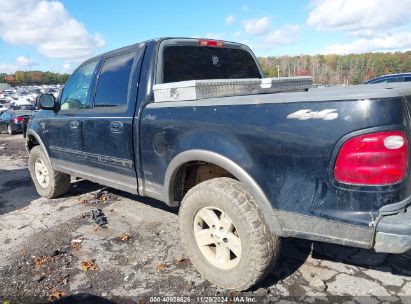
(327, 114)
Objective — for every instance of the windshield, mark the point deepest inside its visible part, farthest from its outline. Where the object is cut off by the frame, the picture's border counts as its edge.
(182, 63)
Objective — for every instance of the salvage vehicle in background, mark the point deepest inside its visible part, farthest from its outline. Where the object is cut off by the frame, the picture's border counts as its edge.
(3, 108)
(164, 119)
(401, 77)
(27, 107)
(14, 121)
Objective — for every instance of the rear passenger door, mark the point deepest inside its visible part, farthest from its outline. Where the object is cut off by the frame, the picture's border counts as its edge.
(108, 128)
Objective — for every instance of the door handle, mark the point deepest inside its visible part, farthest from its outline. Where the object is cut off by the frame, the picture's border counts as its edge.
(74, 124)
(116, 127)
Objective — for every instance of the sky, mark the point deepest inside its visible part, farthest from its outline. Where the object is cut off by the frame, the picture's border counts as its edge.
(58, 35)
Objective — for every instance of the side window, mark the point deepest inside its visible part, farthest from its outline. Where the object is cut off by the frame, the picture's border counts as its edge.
(385, 80)
(76, 91)
(394, 79)
(112, 87)
(407, 78)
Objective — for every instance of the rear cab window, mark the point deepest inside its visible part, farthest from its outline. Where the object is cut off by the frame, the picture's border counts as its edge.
(188, 60)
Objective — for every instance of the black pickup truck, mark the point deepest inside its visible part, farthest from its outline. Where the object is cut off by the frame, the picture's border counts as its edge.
(324, 164)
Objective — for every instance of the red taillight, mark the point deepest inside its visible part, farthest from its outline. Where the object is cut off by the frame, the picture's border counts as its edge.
(18, 120)
(206, 42)
(373, 159)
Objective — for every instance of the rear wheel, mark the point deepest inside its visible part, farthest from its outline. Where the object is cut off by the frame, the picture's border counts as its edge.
(225, 234)
(48, 182)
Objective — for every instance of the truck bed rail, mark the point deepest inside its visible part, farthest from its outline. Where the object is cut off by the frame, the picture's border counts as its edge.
(203, 89)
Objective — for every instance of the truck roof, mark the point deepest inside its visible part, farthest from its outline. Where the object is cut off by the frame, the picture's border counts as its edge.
(155, 41)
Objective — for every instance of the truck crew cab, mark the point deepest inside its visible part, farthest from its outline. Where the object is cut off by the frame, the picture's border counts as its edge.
(247, 160)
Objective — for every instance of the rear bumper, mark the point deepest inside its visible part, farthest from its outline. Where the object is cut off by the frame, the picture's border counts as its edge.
(16, 127)
(393, 230)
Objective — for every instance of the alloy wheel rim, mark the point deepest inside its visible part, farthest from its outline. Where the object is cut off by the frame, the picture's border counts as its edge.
(217, 238)
(41, 172)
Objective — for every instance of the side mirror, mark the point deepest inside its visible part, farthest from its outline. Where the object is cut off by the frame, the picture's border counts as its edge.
(47, 102)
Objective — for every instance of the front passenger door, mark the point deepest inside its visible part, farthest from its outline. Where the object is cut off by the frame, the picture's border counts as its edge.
(64, 130)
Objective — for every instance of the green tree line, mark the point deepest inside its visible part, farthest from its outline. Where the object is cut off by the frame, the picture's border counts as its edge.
(33, 78)
(337, 69)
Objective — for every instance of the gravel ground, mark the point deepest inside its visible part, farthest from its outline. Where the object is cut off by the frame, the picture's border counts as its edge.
(53, 251)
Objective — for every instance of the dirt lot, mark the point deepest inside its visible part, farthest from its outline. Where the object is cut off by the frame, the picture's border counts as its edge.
(52, 250)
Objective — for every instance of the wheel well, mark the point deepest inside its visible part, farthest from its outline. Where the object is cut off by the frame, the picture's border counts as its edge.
(193, 173)
(31, 142)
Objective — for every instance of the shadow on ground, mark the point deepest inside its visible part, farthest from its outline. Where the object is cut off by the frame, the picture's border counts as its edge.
(295, 252)
(147, 201)
(89, 299)
(399, 264)
(17, 190)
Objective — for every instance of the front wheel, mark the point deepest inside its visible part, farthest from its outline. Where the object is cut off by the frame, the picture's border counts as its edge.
(48, 182)
(225, 234)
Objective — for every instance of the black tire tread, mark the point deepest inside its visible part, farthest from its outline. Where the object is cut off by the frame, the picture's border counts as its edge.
(266, 246)
(59, 182)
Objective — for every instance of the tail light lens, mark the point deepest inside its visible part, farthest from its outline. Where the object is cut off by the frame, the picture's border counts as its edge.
(373, 159)
(18, 119)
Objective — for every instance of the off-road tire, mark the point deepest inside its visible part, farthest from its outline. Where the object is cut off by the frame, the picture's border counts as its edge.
(59, 182)
(10, 130)
(259, 247)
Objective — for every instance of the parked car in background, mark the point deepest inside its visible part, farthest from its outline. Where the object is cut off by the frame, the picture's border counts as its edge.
(402, 77)
(14, 121)
(20, 101)
(26, 107)
(2, 109)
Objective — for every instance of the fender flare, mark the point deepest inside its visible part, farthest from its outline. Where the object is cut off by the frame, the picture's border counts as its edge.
(222, 161)
(38, 138)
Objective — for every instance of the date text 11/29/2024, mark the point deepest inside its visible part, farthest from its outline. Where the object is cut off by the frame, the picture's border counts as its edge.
(202, 299)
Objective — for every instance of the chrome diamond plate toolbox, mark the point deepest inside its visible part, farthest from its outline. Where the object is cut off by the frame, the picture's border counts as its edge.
(202, 89)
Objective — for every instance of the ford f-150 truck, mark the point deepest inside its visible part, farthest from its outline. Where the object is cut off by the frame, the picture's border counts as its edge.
(325, 164)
